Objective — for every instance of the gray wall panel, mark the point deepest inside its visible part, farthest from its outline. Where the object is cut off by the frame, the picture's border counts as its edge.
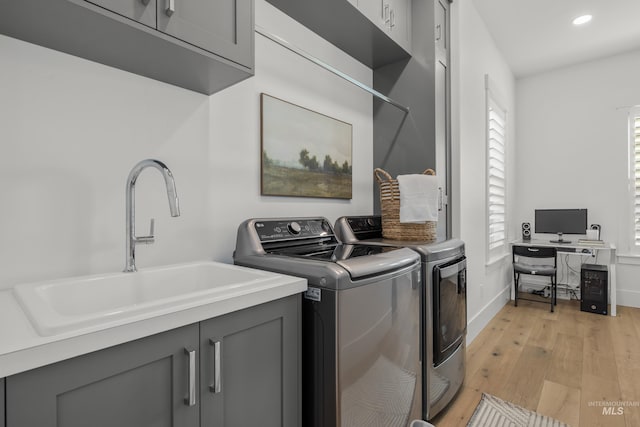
(420, 140)
(1, 402)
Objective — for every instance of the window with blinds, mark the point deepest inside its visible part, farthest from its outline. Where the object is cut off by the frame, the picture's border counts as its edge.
(635, 171)
(496, 178)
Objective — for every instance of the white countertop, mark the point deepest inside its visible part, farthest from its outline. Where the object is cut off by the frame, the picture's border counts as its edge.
(22, 348)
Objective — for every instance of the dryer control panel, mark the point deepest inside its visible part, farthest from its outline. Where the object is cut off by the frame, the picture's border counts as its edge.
(361, 224)
(353, 229)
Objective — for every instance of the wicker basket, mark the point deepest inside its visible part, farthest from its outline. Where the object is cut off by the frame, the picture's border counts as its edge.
(392, 228)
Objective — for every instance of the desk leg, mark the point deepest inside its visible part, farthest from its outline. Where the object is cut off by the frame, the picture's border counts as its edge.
(612, 281)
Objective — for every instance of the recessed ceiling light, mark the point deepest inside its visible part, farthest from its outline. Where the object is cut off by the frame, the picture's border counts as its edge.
(580, 20)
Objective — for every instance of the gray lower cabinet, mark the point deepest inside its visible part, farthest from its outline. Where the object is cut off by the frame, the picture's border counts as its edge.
(250, 363)
(137, 384)
(240, 369)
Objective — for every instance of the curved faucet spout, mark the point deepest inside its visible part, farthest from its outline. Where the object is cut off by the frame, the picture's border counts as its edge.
(168, 181)
(174, 207)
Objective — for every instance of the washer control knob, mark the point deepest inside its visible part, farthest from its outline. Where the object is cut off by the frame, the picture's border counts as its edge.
(294, 228)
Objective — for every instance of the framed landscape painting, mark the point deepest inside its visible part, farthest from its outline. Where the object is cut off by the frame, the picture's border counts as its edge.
(304, 153)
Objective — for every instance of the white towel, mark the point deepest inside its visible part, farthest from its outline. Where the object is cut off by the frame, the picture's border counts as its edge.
(418, 198)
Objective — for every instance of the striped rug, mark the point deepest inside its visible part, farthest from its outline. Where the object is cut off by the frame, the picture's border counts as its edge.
(495, 412)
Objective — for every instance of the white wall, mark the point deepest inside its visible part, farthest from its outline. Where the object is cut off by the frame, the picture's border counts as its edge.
(573, 142)
(476, 55)
(282, 73)
(70, 131)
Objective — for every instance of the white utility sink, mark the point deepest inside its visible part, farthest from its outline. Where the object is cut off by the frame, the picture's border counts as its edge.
(64, 305)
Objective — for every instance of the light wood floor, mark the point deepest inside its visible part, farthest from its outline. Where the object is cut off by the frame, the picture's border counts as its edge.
(559, 364)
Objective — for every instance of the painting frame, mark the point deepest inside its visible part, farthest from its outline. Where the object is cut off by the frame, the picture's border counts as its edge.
(304, 153)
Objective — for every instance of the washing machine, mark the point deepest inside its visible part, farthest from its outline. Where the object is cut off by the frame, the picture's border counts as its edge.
(361, 352)
(443, 307)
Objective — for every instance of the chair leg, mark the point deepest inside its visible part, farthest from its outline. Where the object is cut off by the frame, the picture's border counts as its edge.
(516, 277)
(553, 294)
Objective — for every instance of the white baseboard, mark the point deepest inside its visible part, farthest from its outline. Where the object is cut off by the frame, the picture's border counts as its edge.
(628, 298)
(480, 320)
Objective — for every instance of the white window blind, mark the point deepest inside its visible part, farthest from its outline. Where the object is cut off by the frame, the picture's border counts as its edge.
(496, 177)
(635, 161)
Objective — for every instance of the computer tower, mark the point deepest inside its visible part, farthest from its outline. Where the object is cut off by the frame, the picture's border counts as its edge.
(594, 287)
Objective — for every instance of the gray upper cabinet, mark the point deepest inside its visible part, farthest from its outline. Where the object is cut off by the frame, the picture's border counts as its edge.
(223, 27)
(349, 25)
(392, 16)
(251, 367)
(441, 27)
(141, 383)
(138, 10)
(201, 45)
(373, 10)
(442, 130)
(400, 23)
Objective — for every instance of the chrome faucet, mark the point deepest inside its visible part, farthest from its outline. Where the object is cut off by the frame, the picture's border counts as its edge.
(131, 239)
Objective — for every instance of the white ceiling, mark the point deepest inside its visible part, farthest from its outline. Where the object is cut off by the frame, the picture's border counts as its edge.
(537, 35)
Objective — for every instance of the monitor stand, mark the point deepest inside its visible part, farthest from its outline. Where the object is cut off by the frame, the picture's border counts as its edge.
(560, 240)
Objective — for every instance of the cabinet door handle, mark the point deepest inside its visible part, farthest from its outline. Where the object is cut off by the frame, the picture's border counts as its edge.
(216, 387)
(439, 29)
(191, 399)
(171, 7)
(392, 19)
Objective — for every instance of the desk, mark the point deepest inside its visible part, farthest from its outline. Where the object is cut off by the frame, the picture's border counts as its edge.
(575, 247)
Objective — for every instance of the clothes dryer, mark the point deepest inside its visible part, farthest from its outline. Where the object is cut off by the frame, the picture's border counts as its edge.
(443, 307)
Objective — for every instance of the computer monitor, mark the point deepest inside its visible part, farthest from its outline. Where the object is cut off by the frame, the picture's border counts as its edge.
(561, 221)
